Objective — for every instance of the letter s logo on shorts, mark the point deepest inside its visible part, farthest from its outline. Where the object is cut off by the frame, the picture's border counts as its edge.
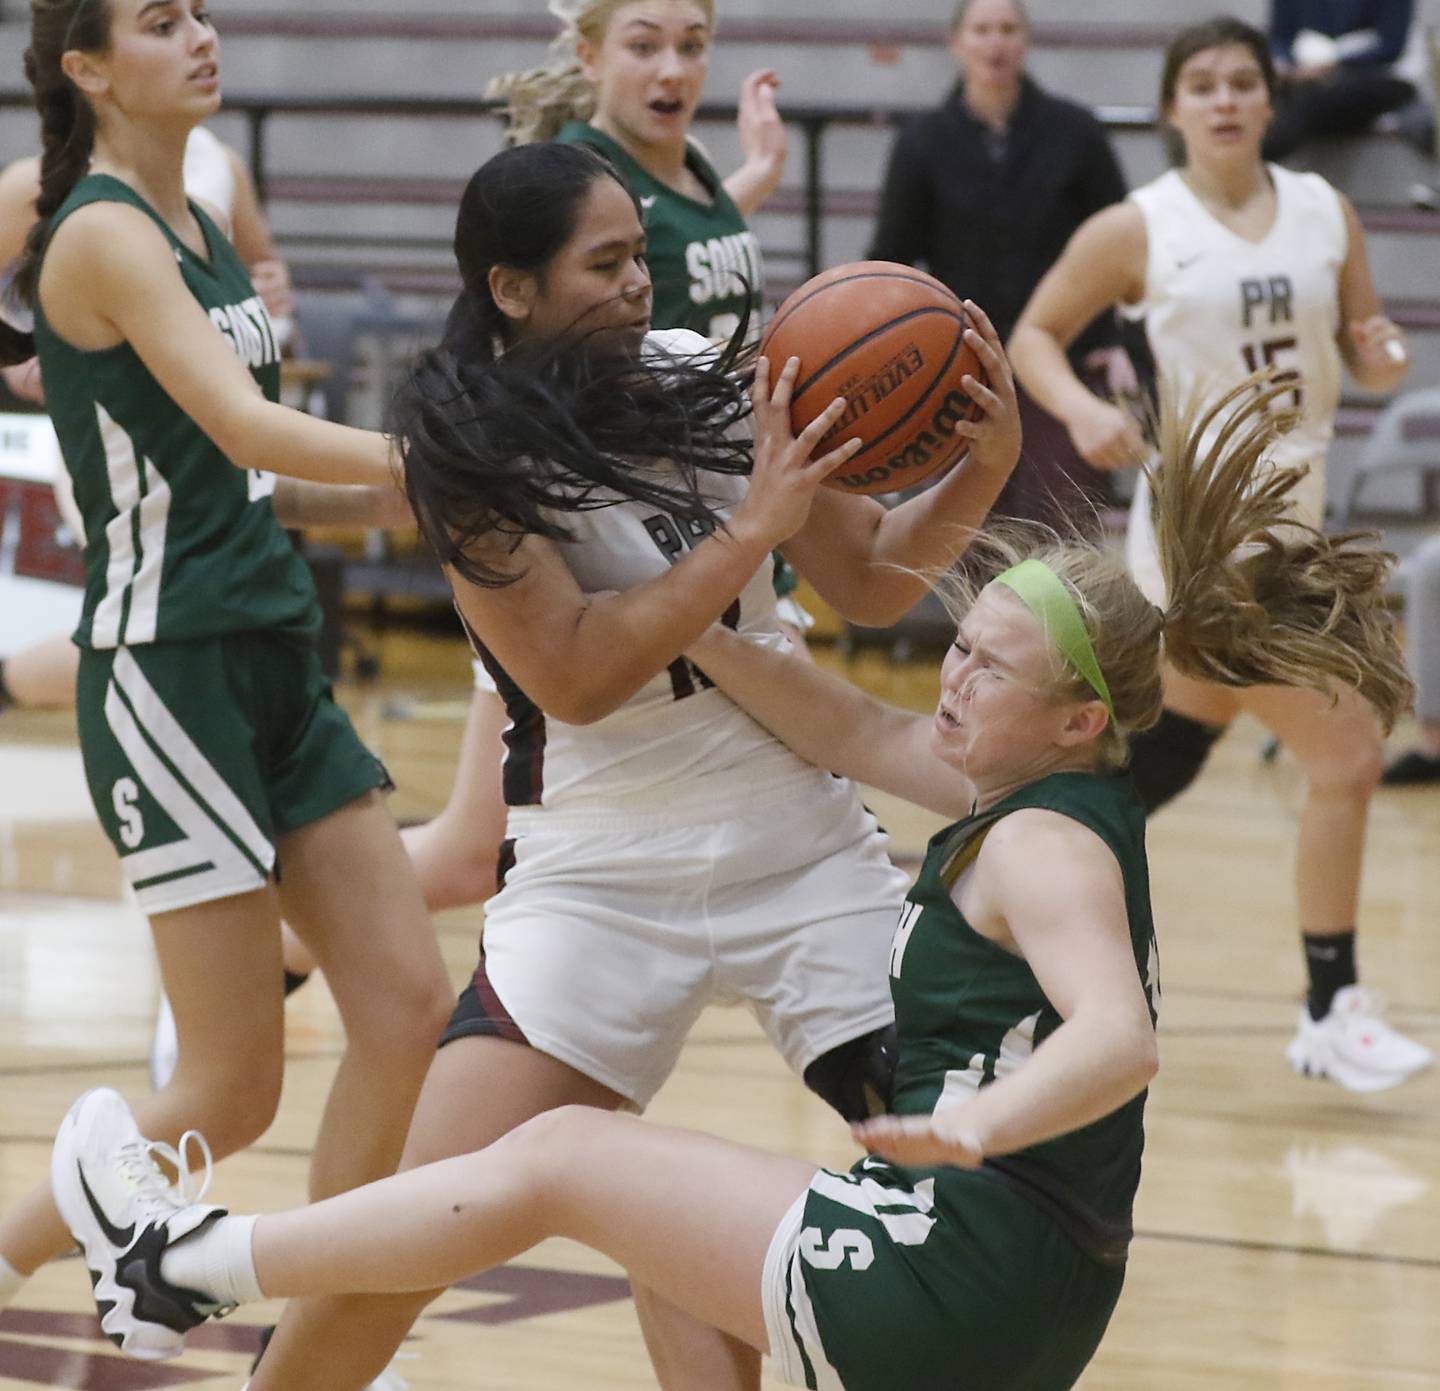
(124, 796)
(845, 1243)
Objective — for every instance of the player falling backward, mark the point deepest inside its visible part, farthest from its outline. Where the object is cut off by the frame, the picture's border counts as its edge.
(990, 1220)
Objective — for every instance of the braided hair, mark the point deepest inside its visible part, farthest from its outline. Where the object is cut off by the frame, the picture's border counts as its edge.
(67, 133)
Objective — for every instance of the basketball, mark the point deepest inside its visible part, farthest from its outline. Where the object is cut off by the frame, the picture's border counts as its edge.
(891, 340)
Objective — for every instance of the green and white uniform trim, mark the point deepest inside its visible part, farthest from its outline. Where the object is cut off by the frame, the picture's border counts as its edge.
(704, 260)
(200, 755)
(180, 542)
(969, 1012)
(1004, 1277)
(220, 851)
(207, 727)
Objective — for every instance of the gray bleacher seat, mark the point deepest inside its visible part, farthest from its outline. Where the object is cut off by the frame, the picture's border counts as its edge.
(1405, 439)
(328, 324)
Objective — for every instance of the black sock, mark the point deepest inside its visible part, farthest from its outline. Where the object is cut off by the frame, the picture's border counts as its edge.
(1330, 961)
(294, 980)
(5, 697)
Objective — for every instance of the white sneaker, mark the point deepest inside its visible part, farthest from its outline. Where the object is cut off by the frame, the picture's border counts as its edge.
(1354, 1046)
(164, 1046)
(124, 1212)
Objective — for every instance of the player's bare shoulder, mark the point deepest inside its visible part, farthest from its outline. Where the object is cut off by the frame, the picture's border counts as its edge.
(1115, 241)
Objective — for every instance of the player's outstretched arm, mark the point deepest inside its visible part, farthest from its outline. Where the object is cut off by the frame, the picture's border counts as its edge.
(110, 273)
(830, 722)
(298, 503)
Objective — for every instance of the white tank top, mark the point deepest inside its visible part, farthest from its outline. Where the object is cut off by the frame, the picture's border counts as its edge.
(209, 175)
(677, 742)
(1217, 307)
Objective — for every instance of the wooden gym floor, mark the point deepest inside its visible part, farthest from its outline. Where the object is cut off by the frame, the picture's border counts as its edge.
(1288, 1234)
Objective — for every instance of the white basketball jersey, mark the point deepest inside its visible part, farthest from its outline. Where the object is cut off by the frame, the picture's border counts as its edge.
(209, 175)
(677, 741)
(1218, 307)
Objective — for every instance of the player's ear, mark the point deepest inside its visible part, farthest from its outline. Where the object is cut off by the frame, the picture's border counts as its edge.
(588, 56)
(86, 70)
(1085, 722)
(513, 291)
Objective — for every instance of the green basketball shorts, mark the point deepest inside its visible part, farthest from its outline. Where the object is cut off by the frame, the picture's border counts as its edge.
(877, 1280)
(200, 754)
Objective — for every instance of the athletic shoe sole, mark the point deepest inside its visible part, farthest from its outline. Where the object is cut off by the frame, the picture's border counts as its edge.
(114, 1301)
(1342, 1076)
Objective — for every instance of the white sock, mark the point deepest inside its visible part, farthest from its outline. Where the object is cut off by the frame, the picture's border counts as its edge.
(216, 1262)
(11, 1281)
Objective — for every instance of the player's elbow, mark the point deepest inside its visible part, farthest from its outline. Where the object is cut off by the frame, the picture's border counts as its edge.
(237, 428)
(581, 702)
(580, 712)
(1138, 1055)
(1147, 1058)
(1026, 336)
(881, 605)
(1125, 1053)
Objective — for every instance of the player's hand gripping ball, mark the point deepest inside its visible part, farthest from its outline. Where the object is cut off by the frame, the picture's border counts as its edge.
(891, 340)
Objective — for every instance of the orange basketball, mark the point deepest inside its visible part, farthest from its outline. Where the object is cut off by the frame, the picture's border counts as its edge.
(891, 340)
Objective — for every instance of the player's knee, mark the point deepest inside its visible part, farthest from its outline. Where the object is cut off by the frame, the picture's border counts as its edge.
(434, 1003)
(231, 1111)
(560, 1131)
(542, 1153)
(1166, 758)
(858, 1078)
(409, 1020)
(1347, 768)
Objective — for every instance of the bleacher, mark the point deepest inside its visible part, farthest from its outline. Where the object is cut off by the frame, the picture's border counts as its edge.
(356, 192)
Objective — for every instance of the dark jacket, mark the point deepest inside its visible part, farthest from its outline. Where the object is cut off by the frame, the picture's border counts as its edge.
(991, 228)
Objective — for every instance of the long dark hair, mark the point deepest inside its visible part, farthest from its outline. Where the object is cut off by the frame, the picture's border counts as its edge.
(67, 133)
(502, 443)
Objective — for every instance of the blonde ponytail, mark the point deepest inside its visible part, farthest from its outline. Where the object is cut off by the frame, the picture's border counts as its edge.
(539, 101)
(1256, 597)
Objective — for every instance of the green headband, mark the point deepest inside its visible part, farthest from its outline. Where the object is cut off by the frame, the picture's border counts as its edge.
(1048, 597)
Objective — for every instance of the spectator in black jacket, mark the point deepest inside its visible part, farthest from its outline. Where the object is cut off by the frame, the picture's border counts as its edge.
(1338, 60)
(984, 192)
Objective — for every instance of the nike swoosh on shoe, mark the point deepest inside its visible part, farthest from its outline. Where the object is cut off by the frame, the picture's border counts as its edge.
(116, 1236)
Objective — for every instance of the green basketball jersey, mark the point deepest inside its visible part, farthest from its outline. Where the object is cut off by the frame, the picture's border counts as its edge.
(180, 542)
(704, 260)
(969, 1012)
